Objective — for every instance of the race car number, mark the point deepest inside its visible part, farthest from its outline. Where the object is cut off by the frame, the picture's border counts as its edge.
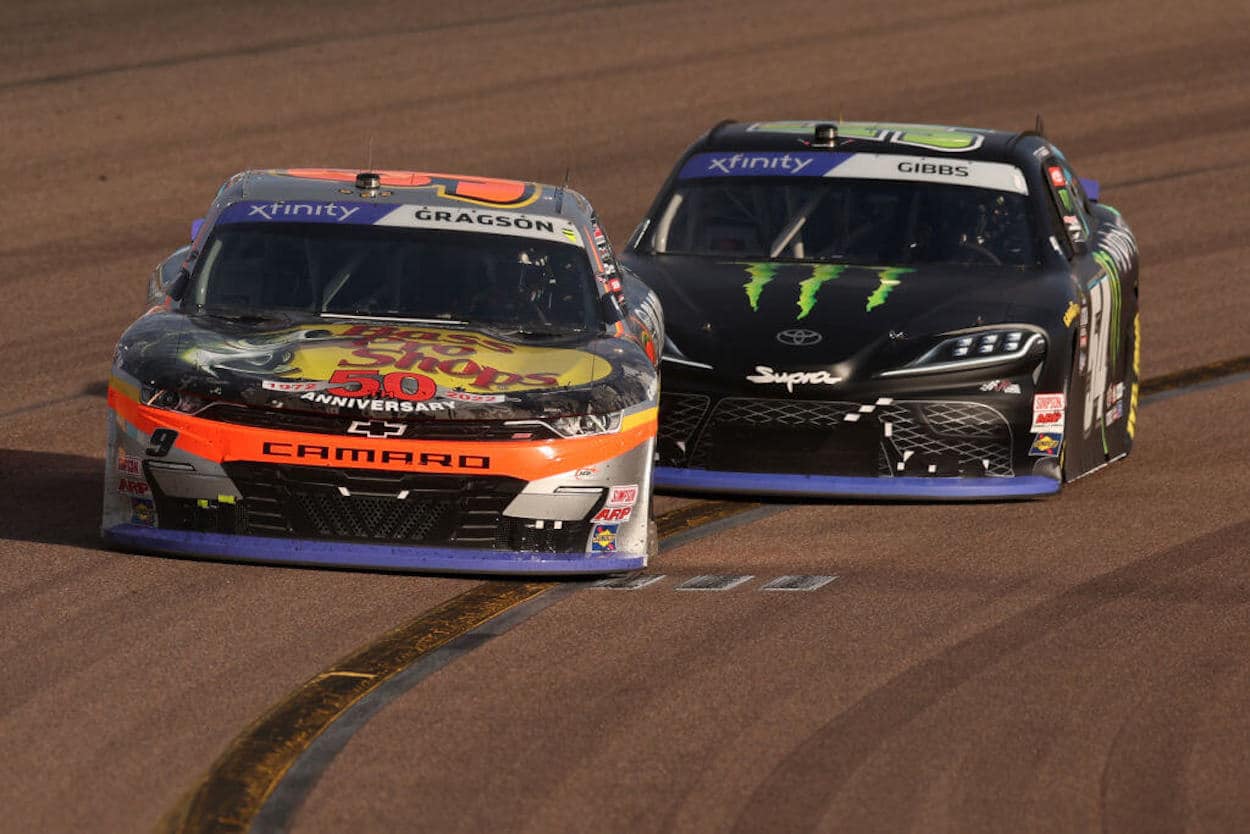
(398, 385)
(1099, 350)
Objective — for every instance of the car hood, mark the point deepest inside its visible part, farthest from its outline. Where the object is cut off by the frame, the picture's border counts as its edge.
(397, 370)
(736, 315)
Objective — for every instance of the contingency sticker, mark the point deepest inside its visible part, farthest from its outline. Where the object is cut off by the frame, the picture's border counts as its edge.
(1046, 445)
(603, 538)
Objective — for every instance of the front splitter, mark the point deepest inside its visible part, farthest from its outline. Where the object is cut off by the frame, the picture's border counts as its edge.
(842, 486)
(311, 552)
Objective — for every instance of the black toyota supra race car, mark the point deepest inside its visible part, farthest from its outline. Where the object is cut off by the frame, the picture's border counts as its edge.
(391, 370)
(890, 311)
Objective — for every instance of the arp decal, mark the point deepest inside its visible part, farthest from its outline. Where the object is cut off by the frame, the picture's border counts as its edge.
(762, 273)
(614, 514)
(603, 538)
(128, 486)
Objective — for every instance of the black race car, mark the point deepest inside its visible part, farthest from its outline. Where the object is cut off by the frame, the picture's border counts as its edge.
(390, 370)
(888, 310)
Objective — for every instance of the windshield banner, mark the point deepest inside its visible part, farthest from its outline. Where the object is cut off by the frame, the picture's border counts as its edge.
(467, 219)
(869, 166)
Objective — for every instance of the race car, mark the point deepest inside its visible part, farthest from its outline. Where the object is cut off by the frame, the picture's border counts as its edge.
(889, 311)
(390, 370)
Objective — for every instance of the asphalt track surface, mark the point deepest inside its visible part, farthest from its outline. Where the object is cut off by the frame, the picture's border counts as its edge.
(1075, 664)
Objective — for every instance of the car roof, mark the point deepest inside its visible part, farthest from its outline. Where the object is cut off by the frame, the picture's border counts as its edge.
(872, 137)
(340, 185)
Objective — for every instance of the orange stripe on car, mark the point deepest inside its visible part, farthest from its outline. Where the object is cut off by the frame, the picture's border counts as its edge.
(527, 460)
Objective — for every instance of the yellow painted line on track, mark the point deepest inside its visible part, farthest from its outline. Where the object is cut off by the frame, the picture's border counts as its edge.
(699, 514)
(239, 782)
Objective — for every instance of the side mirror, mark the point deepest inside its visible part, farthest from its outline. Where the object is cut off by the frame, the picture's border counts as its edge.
(165, 279)
(610, 308)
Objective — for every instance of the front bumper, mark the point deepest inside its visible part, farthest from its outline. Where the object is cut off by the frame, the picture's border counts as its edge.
(921, 445)
(267, 549)
(843, 486)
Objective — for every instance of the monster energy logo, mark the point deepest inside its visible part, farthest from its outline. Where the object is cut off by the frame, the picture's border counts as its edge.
(762, 274)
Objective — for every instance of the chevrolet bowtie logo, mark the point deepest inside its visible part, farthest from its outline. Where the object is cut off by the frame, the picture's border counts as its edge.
(376, 428)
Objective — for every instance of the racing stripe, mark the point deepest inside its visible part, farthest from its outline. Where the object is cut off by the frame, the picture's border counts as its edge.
(527, 460)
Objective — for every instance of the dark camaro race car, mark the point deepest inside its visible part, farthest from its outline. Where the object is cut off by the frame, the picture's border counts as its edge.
(888, 310)
(390, 370)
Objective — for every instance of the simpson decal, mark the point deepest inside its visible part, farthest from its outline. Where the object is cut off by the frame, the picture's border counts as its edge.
(623, 496)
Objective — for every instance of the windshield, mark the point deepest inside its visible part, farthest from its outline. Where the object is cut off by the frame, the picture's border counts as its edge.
(884, 223)
(504, 281)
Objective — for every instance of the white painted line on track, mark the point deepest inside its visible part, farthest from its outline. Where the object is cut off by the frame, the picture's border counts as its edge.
(801, 582)
(713, 582)
(626, 583)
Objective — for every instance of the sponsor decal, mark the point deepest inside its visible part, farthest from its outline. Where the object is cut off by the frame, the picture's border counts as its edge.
(623, 496)
(126, 486)
(765, 375)
(143, 512)
(757, 163)
(349, 454)
(1000, 386)
(811, 285)
(128, 465)
(762, 273)
(1070, 314)
(295, 211)
(1046, 445)
(999, 176)
(1057, 179)
(1115, 412)
(251, 211)
(1048, 402)
(603, 538)
(619, 514)
(1047, 421)
(393, 367)
(589, 473)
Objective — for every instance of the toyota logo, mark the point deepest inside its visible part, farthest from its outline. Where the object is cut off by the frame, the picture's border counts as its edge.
(798, 337)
